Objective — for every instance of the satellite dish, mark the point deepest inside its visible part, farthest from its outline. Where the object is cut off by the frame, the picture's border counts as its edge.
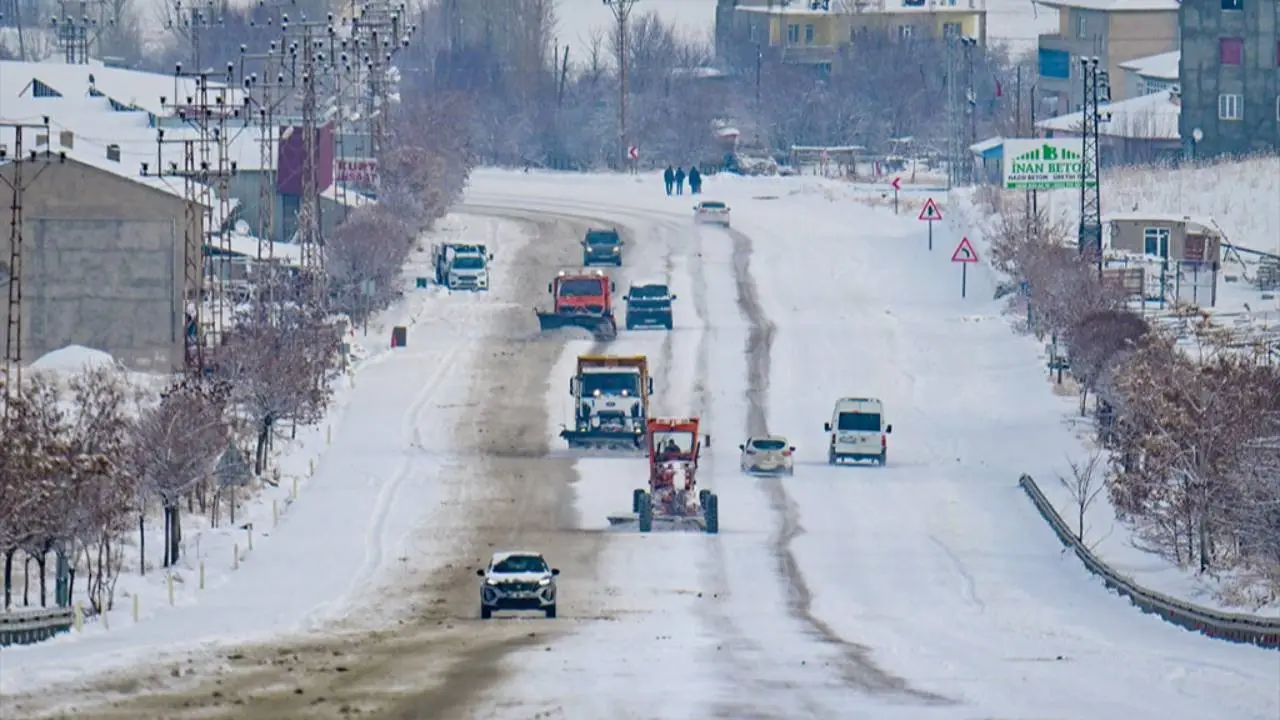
(242, 228)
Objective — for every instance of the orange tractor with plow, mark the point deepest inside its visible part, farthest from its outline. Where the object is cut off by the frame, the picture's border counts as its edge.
(673, 500)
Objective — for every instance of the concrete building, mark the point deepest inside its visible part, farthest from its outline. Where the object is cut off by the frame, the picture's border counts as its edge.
(805, 33)
(1138, 131)
(104, 264)
(1147, 75)
(1228, 71)
(1114, 31)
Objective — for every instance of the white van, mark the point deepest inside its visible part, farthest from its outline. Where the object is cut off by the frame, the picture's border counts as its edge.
(858, 431)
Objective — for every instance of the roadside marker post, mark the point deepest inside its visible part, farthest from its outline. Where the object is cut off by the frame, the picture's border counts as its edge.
(897, 185)
(964, 255)
(930, 214)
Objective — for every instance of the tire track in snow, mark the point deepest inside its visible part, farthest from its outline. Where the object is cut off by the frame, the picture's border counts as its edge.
(859, 670)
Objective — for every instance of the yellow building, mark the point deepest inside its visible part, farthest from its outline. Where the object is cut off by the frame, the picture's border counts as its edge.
(804, 35)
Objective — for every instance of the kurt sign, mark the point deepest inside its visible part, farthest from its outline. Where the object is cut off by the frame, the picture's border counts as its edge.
(1042, 164)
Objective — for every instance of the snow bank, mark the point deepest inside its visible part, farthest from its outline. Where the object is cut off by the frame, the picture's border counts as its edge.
(73, 359)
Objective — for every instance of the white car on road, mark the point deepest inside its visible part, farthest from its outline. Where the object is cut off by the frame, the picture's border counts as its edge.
(767, 455)
(711, 211)
(518, 580)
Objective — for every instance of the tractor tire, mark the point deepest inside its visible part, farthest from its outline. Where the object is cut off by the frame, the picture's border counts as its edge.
(646, 514)
(551, 612)
(711, 513)
(638, 500)
(703, 494)
(485, 612)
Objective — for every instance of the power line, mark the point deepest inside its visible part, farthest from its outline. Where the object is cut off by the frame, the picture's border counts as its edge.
(621, 15)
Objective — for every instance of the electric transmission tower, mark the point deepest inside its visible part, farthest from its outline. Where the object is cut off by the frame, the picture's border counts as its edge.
(76, 34)
(18, 180)
(1097, 92)
(622, 15)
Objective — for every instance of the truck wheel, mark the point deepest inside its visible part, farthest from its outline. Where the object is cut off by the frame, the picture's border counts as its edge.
(668, 324)
(884, 458)
(646, 513)
(703, 494)
(832, 458)
(712, 514)
(485, 612)
(638, 500)
(551, 612)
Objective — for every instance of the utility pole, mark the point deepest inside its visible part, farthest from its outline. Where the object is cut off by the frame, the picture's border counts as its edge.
(1096, 91)
(75, 34)
(18, 181)
(621, 15)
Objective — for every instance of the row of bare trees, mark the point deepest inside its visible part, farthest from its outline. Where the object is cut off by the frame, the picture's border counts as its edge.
(1188, 411)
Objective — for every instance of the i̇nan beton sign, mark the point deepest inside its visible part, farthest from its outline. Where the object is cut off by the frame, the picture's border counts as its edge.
(1042, 164)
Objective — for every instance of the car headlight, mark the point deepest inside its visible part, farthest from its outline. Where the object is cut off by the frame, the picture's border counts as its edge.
(490, 581)
(617, 249)
(544, 582)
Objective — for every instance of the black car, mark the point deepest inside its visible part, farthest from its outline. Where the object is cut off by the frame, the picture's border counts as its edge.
(602, 247)
(649, 305)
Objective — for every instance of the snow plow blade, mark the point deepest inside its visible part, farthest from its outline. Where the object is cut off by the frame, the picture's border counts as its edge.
(663, 523)
(603, 328)
(603, 440)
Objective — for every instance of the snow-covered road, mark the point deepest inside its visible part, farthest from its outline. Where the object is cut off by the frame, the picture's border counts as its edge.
(930, 588)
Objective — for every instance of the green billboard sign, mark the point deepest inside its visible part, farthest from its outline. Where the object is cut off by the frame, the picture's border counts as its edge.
(1043, 164)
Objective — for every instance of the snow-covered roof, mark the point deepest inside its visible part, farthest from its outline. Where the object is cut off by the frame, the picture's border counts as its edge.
(1202, 223)
(869, 7)
(1157, 67)
(247, 245)
(127, 87)
(1114, 5)
(1149, 117)
(979, 148)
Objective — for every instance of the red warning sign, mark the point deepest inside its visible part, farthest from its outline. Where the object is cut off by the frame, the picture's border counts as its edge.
(930, 212)
(964, 252)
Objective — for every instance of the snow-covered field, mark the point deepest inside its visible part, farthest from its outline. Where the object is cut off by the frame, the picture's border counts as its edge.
(930, 588)
(926, 589)
(328, 556)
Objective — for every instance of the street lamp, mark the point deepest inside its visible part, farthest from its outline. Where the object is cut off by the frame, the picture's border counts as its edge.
(1196, 136)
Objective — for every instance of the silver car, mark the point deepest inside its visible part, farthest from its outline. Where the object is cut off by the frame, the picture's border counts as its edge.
(519, 580)
(767, 455)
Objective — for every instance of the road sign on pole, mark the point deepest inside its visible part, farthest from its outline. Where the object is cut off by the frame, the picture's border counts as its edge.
(930, 214)
(897, 185)
(633, 152)
(964, 254)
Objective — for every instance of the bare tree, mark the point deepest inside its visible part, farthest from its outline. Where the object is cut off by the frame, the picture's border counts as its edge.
(1096, 341)
(1086, 483)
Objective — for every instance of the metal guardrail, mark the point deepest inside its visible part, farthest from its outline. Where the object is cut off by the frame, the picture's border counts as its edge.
(23, 627)
(1250, 629)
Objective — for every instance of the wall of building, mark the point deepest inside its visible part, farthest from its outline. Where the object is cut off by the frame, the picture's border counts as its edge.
(1136, 35)
(1204, 78)
(103, 266)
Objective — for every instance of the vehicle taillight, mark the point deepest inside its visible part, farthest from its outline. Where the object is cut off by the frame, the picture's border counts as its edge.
(786, 453)
(884, 442)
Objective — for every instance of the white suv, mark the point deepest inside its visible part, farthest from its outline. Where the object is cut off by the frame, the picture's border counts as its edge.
(518, 581)
(858, 431)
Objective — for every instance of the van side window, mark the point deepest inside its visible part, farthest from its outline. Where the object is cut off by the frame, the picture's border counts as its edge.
(858, 422)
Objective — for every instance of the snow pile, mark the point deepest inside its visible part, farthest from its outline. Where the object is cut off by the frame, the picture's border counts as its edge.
(74, 359)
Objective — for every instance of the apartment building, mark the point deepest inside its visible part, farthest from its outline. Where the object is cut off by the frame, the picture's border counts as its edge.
(1114, 31)
(1230, 76)
(815, 33)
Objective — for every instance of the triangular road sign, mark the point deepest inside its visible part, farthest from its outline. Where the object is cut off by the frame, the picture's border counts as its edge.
(964, 252)
(930, 213)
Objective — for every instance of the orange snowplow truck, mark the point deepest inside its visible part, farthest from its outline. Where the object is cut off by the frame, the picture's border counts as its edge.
(582, 299)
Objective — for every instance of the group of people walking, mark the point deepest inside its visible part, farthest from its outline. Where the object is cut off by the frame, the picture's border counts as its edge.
(674, 179)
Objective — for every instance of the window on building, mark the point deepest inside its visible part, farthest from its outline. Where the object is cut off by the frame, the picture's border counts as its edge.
(1155, 241)
(793, 34)
(904, 32)
(951, 30)
(1231, 51)
(1233, 4)
(1230, 106)
(1082, 26)
(808, 34)
(39, 89)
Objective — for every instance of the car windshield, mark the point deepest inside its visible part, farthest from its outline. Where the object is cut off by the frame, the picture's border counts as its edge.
(713, 205)
(859, 422)
(521, 564)
(602, 238)
(582, 288)
(673, 442)
(649, 291)
(468, 262)
(768, 445)
(611, 384)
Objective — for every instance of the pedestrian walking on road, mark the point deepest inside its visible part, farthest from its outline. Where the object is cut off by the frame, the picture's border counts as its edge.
(669, 178)
(695, 180)
(680, 181)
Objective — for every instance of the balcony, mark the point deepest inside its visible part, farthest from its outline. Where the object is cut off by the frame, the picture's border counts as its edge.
(810, 54)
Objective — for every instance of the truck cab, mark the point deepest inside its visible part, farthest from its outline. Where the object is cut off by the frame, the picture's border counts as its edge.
(586, 293)
(611, 401)
(858, 431)
(649, 304)
(602, 247)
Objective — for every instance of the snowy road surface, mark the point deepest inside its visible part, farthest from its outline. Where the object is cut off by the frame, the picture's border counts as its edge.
(926, 589)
